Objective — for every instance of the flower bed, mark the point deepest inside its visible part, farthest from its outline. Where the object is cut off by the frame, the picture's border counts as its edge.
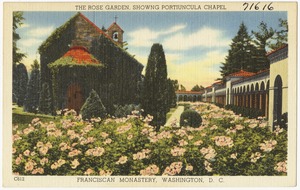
(225, 144)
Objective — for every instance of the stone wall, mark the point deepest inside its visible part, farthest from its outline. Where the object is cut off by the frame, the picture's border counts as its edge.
(85, 32)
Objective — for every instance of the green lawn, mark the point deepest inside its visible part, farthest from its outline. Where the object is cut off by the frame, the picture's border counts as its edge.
(21, 117)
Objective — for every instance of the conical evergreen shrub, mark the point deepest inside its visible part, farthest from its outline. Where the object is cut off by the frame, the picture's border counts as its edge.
(45, 100)
(32, 97)
(93, 107)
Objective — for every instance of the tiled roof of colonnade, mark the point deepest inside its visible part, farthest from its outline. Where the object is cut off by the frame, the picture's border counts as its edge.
(256, 75)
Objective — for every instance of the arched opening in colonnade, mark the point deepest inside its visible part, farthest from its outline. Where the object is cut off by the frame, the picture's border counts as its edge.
(277, 109)
(185, 98)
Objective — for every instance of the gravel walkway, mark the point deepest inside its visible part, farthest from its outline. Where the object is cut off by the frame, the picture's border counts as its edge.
(176, 115)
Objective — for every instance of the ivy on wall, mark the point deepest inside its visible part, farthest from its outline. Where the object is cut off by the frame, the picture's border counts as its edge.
(87, 76)
(117, 79)
(56, 35)
(123, 73)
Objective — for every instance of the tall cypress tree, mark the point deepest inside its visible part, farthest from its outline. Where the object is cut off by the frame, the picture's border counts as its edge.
(154, 100)
(171, 100)
(240, 54)
(45, 100)
(22, 80)
(33, 89)
(15, 85)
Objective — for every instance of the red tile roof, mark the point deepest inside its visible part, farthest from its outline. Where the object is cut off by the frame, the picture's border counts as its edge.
(189, 92)
(218, 82)
(252, 76)
(80, 55)
(242, 73)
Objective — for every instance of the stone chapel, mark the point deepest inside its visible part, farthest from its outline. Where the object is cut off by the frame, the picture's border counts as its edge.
(78, 57)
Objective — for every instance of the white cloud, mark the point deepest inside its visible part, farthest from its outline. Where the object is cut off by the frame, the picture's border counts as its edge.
(142, 38)
(145, 37)
(213, 58)
(173, 29)
(41, 31)
(30, 42)
(200, 71)
(204, 37)
(172, 57)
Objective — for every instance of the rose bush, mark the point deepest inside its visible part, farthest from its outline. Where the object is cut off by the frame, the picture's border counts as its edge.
(224, 144)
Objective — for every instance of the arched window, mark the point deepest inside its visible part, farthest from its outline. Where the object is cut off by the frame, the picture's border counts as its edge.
(115, 36)
(199, 98)
(277, 110)
(256, 87)
(185, 98)
(268, 86)
(262, 86)
(263, 97)
(252, 88)
(194, 98)
(180, 98)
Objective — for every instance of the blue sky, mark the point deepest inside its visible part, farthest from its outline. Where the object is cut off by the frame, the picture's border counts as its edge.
(195, 43)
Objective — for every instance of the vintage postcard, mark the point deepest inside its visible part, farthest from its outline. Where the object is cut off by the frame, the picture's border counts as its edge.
(150, 94)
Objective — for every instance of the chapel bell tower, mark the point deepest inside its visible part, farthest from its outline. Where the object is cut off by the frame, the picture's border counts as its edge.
(116, 33)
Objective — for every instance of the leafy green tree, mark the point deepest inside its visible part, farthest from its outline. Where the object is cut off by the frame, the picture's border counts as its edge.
(171, 101)
(154, 101)
(261, 42)
(197, 88)
(175, 85)
(45, 100)
(93, 107)
(240, 54)
(33, 89)
(20, 84)
(182, 88)
(281, 36)
(15, 85)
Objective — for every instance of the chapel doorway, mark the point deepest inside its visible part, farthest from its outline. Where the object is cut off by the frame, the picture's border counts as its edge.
(75, 97)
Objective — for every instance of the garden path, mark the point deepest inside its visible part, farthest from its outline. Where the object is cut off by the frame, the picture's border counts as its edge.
(176, 115)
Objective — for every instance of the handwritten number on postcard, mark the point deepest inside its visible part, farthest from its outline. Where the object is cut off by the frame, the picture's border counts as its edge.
(258, 6)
